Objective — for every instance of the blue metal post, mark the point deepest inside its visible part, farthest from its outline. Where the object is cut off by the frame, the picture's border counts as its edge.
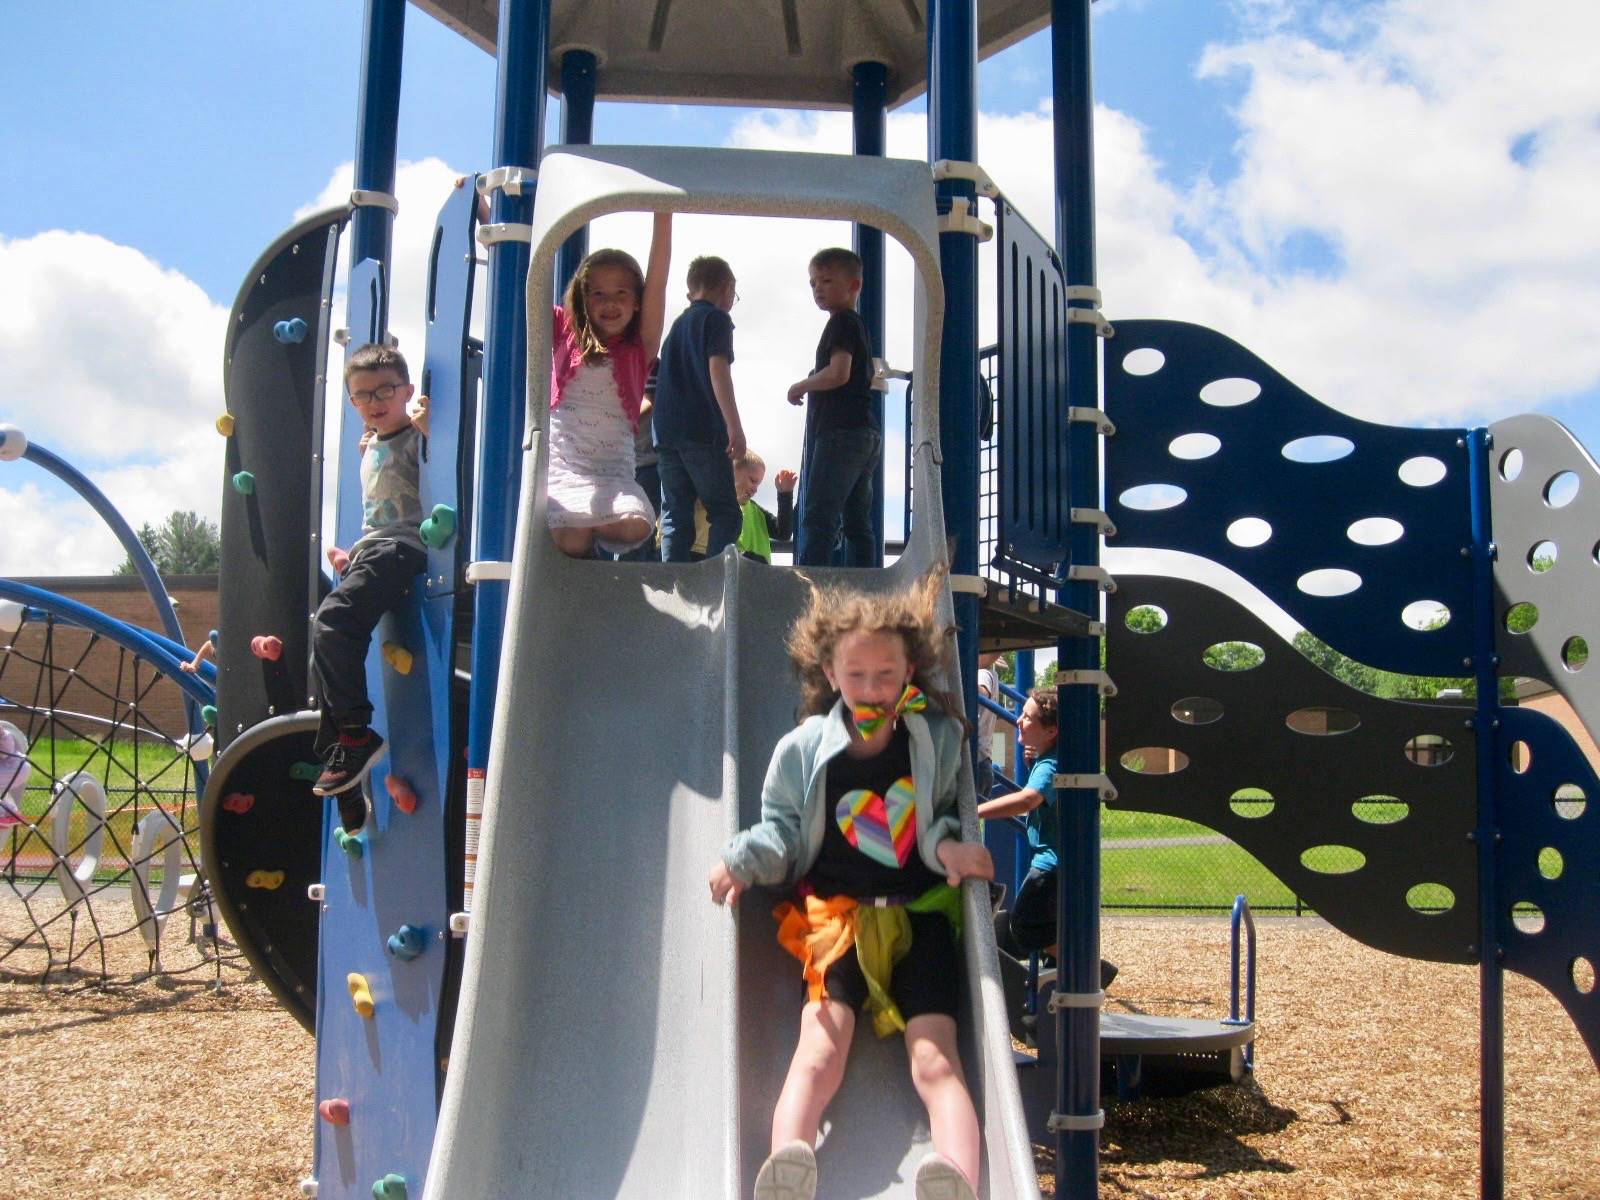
(869, 100)
(953, 134)
(577, 129)
(1078, 900)
(377, 125)
(518, 137)
(1486, 720)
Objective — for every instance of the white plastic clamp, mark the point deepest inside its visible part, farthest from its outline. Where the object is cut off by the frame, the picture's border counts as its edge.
(1099, 576)
(1082, 291)
(952, 168)
(1060, 1000)
(13, 443)
(1063, 1121)
(308, 1187)
(1091, 316)
(1096, 517)
(316, 891)
(1100, 784)
(460, 922)
(882, 372)
(478, 572)
(972, 585)
(963, 218)
(1103, 424)
(1097, 679)
(504, 231)
(368, 199)
(511, 179)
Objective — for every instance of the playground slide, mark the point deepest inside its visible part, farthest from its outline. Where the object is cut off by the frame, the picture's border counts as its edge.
(617, 1035)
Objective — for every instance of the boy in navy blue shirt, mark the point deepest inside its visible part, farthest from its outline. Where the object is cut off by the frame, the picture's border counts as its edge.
(697, 429)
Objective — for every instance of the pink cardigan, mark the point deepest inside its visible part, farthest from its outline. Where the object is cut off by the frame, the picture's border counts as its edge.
(628, 365)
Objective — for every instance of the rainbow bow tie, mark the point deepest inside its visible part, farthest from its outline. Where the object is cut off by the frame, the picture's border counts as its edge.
(869, 718)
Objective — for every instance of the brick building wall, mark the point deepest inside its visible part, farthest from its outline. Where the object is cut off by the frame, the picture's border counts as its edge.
(96, 670)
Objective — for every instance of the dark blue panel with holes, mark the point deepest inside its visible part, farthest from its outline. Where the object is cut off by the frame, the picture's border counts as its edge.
(1033, 503)
(1355, 529)
(1549, 864)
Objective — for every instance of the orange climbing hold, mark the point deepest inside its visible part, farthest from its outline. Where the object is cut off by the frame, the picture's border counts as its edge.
(398, 657)
(238, 802)
(401, 792)
(269, 881)
(267, 647)
(360, 993)
(335, 1112)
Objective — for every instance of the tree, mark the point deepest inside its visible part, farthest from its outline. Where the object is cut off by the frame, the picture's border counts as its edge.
(186, 544)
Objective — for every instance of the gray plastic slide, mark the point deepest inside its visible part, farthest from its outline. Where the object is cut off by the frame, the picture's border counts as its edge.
(618, 1035)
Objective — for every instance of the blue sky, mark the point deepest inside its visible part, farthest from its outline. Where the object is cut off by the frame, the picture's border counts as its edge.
(1391, 200)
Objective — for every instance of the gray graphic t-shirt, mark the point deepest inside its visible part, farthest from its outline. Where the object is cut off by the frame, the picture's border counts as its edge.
(391, 503)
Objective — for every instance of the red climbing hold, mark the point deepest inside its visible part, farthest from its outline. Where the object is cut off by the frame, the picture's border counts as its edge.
(238, 802)
(267, 647)
(405, 799)
(335, 1112)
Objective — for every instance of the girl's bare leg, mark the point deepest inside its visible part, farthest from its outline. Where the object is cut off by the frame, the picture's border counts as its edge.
(573, 542)
(815, 1072)
(936, 1072)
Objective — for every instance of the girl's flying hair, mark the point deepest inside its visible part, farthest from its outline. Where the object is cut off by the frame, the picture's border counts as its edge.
(836, 612)
(583, 330)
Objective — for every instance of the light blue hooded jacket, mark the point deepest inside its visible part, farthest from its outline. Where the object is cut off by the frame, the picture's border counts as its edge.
(783, 845)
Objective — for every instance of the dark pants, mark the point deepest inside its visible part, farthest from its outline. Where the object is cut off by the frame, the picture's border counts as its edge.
(648, 478)
(1030, 925)
(376, 580)
(691, 472)
(840, 492)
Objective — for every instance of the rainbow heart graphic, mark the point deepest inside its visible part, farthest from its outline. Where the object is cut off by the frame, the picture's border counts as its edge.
(884, 828)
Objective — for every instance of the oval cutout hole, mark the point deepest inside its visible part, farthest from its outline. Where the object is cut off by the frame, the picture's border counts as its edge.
(1320, 448)
(1328, 581)
(1194, 446)
(1551, 864)
(1251, 803)
(1520, 755)
(1230, 392)
(1332, 860)
(1422, 471)
(1322, 720)
(1511, 465)
(1249, 532)
(1561, 490)
(1527, 917)
(1197, 710)
(1574, 654)
(1542, 557)
(1429, 750)
(1430, 899)
(1153, 497)
(1380, 810)
(1375, 531)
(1521, 617)
(1233, 656)
(1144, 361)
(1582, 972)
(1155, 760)
(1569, 801)
(1147, 618)
(1425, 615)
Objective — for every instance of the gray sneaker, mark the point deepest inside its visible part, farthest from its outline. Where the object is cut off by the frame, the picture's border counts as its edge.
(789, 1174)
(940, 1179)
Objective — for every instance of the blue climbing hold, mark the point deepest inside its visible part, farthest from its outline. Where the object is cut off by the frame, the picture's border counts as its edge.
(439, 527)
(290, 332)
(244, 483)
(407, 942)
(390, 1187)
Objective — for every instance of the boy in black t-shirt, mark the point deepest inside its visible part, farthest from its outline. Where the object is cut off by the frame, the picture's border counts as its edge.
(843, 436)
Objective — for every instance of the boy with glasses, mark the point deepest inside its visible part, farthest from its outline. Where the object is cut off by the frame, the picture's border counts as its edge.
(382, 565)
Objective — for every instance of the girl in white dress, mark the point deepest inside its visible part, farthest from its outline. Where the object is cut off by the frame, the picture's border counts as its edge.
(604, 338)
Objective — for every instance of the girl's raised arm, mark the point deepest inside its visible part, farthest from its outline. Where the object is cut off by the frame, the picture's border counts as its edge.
(653, 304)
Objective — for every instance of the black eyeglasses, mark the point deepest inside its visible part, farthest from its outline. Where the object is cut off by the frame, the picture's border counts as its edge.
(384, 391)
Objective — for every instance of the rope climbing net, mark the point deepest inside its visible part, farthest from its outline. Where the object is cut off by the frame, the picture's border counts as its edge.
(99, 814)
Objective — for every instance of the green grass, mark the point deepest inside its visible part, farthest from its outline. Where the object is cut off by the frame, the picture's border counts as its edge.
(1197, 877)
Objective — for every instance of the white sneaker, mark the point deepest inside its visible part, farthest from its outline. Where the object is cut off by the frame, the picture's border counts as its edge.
(940, 1179)
(789, 1174)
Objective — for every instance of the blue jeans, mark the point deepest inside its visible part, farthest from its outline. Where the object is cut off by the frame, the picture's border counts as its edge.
(648, 478)
(840, 491)
(691, 472)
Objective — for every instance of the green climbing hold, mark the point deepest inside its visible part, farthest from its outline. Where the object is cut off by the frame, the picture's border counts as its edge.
(208, 714)
(439, 528)
(244, 483)
(390, 1187)
(305, 772)
(350, 844)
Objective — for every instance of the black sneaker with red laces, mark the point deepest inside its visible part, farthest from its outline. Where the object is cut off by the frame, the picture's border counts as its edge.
(347, 762)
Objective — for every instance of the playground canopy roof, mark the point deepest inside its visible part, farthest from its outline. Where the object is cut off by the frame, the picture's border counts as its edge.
(792, 53)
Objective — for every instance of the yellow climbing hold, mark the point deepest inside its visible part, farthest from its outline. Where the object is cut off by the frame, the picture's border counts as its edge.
(398, 657)
(225, 424)
(360, 993)
(268, 880)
